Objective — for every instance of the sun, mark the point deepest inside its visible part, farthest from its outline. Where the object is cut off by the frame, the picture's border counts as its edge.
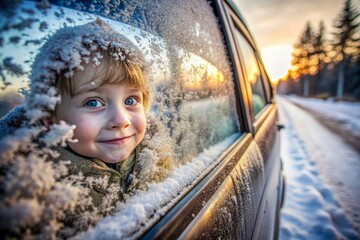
(277, 60)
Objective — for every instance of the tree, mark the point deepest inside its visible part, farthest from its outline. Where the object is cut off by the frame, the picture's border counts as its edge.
(346, 42)
(320, 56)
(302, 56)
(320, 52)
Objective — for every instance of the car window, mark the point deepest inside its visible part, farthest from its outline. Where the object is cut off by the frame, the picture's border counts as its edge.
(267, 83)
(192, 85)
(253, 74)
(193, 104)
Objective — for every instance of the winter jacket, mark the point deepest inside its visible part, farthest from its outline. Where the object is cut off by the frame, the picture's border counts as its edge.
(119, 174)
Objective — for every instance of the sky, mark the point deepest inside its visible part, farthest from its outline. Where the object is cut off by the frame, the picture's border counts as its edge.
(277, 24)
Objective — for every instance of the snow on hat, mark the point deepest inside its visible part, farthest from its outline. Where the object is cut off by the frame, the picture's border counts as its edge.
(67, 50)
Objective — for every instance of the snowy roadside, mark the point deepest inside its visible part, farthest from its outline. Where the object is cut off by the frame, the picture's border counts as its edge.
(342, 118)
(347, 114)
(315, 208)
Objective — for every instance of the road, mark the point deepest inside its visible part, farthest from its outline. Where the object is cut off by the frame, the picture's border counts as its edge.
(323, 179)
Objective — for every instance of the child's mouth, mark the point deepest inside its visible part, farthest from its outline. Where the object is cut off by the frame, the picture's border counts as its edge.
(117, 141)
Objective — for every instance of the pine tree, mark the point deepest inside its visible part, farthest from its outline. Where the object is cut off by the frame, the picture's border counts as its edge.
(302, 55)
(320, 54)
(346, 41)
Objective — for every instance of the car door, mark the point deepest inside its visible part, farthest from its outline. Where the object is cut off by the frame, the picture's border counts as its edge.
(262, 110)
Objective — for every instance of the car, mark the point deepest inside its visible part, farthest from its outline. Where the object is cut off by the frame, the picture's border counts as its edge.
(210, 92)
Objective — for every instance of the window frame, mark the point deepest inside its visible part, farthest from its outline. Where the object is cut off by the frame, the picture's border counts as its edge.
(235, 23)
(254, 57)
(238, 74)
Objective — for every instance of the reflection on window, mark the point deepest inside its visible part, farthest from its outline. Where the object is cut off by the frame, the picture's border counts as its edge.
(253, 74)
(199, 75)
(206, 114)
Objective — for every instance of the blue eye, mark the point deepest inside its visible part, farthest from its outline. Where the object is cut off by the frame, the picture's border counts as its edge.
(93, 103)
(131, 101)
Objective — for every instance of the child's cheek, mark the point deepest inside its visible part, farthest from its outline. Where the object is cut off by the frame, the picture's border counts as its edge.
(141, 125)
(85, 129)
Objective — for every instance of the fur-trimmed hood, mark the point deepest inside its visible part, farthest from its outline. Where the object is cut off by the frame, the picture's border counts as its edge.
(67, 50)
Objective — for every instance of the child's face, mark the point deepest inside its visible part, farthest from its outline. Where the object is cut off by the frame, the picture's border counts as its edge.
(110, 119)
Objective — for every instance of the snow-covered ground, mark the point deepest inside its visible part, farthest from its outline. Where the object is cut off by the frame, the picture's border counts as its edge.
(323, 187)
(347, 114)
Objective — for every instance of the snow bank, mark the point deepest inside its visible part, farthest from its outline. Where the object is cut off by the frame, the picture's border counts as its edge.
(311, 210)
(347, 114)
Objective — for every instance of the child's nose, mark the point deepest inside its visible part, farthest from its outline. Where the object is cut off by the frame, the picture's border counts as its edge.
(119, 118)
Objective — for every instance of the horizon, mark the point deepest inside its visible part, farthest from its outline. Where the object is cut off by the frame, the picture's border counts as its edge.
(266, 19)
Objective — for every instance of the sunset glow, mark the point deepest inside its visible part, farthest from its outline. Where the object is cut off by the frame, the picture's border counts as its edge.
(277, 60)
(276, 33)
(195, 71)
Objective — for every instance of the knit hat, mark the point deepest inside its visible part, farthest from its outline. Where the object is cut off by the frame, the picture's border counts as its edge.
(67, 50)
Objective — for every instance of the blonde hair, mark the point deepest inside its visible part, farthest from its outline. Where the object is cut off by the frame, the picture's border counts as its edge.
(114, 71)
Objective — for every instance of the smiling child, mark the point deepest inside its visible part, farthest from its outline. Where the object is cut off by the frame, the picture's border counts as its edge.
(103, 93)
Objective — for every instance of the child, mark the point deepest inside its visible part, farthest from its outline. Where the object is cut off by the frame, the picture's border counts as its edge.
(105, 98)
(77, 135)
(92, 77)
